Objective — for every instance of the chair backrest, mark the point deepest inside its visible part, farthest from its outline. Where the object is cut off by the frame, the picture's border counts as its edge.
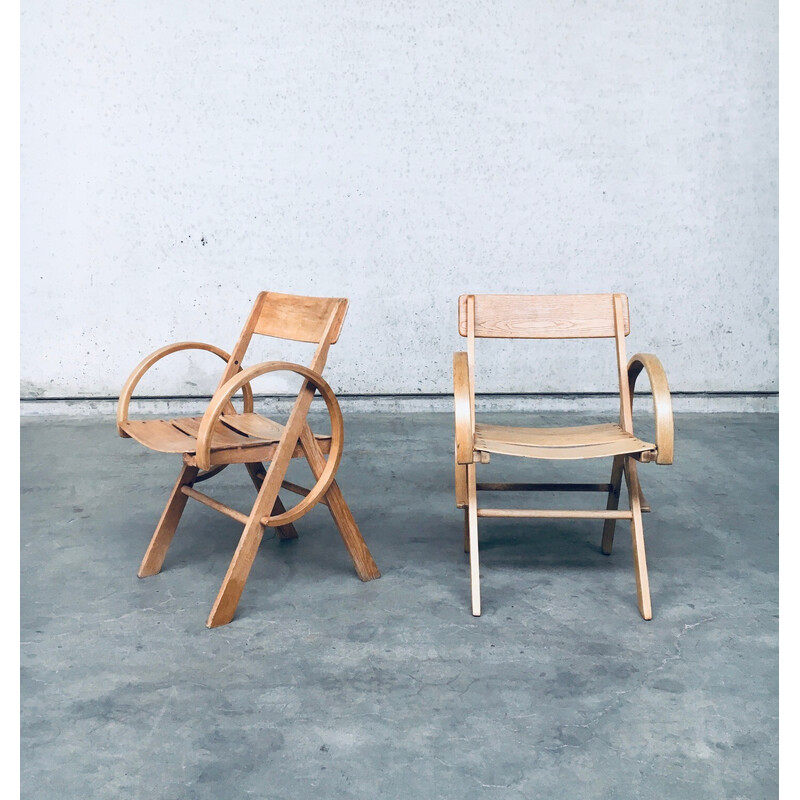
(302, 319)
(286, 316)
(553, 316)
(566, 316)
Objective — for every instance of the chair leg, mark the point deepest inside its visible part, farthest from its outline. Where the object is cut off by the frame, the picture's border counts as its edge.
(287, 531)
(472, 522)
(366, 568)
(466, 530)
(637, 537)
(165, 530)
(235, 578)
(633, 464)
(612, 504)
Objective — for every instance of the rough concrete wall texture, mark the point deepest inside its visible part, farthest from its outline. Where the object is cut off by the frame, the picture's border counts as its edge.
(177, 158)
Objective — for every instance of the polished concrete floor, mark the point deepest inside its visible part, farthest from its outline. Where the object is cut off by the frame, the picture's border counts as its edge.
(326, 687)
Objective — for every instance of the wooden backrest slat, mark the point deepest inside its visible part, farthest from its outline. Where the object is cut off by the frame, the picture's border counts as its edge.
(302, 319)
(564, 316)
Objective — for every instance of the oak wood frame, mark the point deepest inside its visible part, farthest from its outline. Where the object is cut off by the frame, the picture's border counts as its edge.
(554, 316)
(309, 319)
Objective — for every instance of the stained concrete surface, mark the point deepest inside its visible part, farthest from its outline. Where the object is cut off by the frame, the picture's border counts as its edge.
(327, 687)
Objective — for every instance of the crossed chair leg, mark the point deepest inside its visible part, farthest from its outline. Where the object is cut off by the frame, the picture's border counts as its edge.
(623, 465)
(267, 500)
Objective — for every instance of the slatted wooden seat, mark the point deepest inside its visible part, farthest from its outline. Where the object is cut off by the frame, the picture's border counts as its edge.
(585, 441)
(236, 432)
(222, 436)
(557, 317)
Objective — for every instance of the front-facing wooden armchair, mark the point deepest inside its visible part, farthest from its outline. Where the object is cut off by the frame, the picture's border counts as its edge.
(222, 437)
(557, 317)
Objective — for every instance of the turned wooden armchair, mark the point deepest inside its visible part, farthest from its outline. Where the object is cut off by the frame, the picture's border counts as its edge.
(222, 437)
(558, 317)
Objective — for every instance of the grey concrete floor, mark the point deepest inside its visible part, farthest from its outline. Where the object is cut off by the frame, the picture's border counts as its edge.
(327, 687)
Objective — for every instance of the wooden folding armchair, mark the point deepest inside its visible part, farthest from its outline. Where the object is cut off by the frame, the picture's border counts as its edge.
(222, 436)
(557, 317)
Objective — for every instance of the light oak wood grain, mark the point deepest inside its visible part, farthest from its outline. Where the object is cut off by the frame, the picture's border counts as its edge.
(511, 316)
(551, 317)
(662, 402)
(552, 513)
(366, 568)
(303, 319)
(222, 436)
(474, 559)
(159, 544)
(637, 541)
(544, 487)
(150, 361)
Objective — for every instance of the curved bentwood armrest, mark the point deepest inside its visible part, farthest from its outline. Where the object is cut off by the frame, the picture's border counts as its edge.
(156, 356)
(221, 399)
(662, 402)
(465, 413)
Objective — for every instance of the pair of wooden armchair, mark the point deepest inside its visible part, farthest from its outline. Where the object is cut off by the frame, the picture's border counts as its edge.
(224, 436)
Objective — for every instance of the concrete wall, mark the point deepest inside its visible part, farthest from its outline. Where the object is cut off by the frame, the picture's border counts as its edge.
(179, 157)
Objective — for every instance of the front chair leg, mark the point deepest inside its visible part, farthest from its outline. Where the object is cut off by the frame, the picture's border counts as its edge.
(235, 578)
(637, 537)
(472, 522)
(165, 530)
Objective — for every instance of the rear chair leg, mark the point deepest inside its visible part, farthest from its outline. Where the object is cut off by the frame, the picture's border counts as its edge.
(165, 530)
(633, 465)
(287, 531)
(462, 498)
(612, 504)
(257, 471)
(366, 568)
(472, 524)
(637, 537)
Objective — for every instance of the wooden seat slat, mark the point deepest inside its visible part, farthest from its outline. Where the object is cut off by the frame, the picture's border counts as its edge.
(223, 439)
(159, 435)
(258, 426)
